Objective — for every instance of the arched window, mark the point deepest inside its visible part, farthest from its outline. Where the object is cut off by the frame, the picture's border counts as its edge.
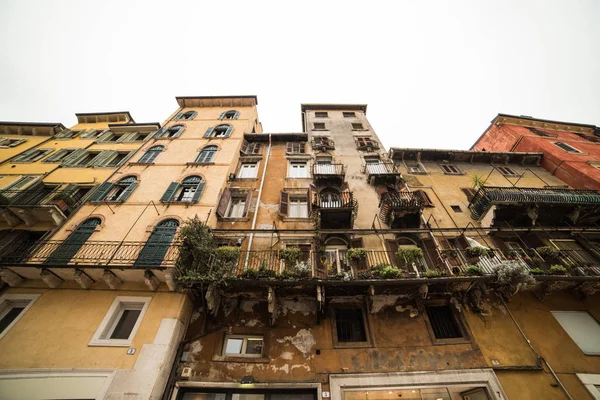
(186, 115)
(158, 244)
(151, 154)
(188, 191)
(118, 191)
(172, 132)
(67, 249)
(220, 131)
(207, 154)
(231, 114)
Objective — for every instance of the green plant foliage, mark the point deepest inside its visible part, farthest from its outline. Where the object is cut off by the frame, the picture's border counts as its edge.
(357, 253)
(449, 253)
(390, 272)
(537, 271)
(548, 252)
(473, 270)
(474, 252)
(227, 253)
(290, 254)
(410, 254)
(432, 274)
(249, 274)
(287, 274)
(477, 181)
(558, 270)
(264, 272)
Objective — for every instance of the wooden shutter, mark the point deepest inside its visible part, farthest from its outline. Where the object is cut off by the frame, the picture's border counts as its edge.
(248, 199)
(224, 202)
(148, 157)
(127, 192)
(469, 193)
(126, 158)
(312, 195)
(381, 190)
(66, 133)
(160, 133)
(75, 157)
(229, 130)
(198, 193)
(178, 133)
(88, 133)
(222, 115)
(17, 142)
(290, 147)
(127, 137)
(101, 192)
(24, 155)
(245, 146)
(284, 202)
(179, 115)
(102, 158)
(308, 202)
(209, 132)
(105, 137)
(255, 148)
(424, 197)
(56, 157)
(236, 115)
(170, 192)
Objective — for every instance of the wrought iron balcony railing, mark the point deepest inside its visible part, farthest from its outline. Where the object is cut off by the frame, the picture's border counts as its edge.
(395, 205)
(343, 200)
(487, 196)
(380, 169)
(66, 200)
(329, 170)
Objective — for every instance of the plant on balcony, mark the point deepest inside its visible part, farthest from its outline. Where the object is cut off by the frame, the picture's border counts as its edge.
(475, 252)
(449, 253)
(288, 274)
(548, 252)
(382, 271)
(473, 270)
(227, 253)
(356, 253)
(249, 274)
(432, 273)
(558, 269)
(537, 271)
(290, 255)
(477, 181)
(410, 254)
(510, 276)
(265, 273)
(303, 269)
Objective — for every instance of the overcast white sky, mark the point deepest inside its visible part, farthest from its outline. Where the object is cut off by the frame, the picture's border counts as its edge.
(434, 73)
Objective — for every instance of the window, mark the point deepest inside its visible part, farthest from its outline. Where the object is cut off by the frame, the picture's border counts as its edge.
(234, 203)
(319, 126)
(293, 205)
(158, 244)
(366, 143)
(469, 193)
(6, 142)
(106, 158)
(566, 147)
(117, 192)
(416, 168)
(121, 322)
(450, 169)
(32, 155)
(151, 154)
(171, 132)
(582, 328)
(12, 308)
(248, 170)
(220, 131)
(68, 248)
(186, 115)
(357, 126)
(298, 169)
(506, 171)
(21, 183)
(189, 191)
(66, 134)
(350, 114)
(296, 148)
(456, 209)
(322, 143)
(591, 383)
(236, 207)
(118, 160)
(59, 156)
(243, 346)
(350, 327)
(231, 114)
(250, 148)
(443, 322)
(321, 114)
(93, 134)
(207, 154)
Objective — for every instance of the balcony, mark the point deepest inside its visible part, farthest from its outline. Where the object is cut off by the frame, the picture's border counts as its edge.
(382, 172)
(329, 172)
(400, 210)
(335, 210)
(536, 206)
(44, 204)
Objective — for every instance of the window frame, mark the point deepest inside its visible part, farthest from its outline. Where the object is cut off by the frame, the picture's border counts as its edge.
(295, 148)
(298, 203)
(349, 114)
(208, 150)
(365, 319)
(32, 157)
(357, 126)
(591, 382)
(319, 126)
(451, 169)
(245, 339)
(106, 328)
(561, 144)
(241, 168)
(321, 114)
(458, 318)
(506, 170)
(5, 307)
(238, 201)
(290, 169)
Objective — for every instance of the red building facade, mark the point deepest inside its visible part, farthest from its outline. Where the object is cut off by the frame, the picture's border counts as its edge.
(571, 151)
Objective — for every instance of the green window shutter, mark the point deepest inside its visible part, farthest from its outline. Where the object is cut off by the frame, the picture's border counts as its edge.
(127, 192)
(209, 132)
(126, 158)
(222, 115)
(150, 136)
(127, 137)
(101, 192)
(103, 158)
(178, 133)
(89, 133)
(56, 157)
(17, 142)
(237, 115)
(178, 115)
(23, 156)
(41, 155)
(168, 195)
(160, 132)
(229, 130)
(74, 157)
(105, 137)
(63, 134)
(198, 193)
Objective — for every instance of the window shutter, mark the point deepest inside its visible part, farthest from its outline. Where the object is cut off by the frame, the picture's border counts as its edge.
(229, 130)
(308, 202)
(24, 155)
(88, 133)
(178, 133)
(105, 137)
(468, 192)
(103, 158)
(198, 193)
(312, 195)
(179, 115)
(127, 137)
(222, 115)
(63, 134)
(245, 146)
(381, 190)
(290, 147)
(17, 142)
(101, 191)
(170, 192)
(237, 115)
(126, 158)
(224, 202)
(356, 243)
(209, 132)
(41, 155)
(147, 157)
(74, 157)
(284, 201)
(160, 133)
(248, 199)
(424, 197)
(256, 148)
(56, 156)
(127, 192)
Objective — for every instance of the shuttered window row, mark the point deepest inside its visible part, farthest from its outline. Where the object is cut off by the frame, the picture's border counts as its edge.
(84, 158)
(7, 142)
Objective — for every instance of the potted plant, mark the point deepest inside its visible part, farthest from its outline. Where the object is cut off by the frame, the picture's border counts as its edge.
(558, 269)
(473, 270)
(356, 254)
(449, 253)
(290, 255)
(476, 252)
(410, 254)
(549, 253)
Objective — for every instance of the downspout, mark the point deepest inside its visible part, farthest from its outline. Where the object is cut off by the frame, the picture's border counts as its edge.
(539, 358)
(262, 182)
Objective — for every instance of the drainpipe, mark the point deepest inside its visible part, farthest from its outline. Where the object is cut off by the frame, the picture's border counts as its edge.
(262, 182)
(535, 352)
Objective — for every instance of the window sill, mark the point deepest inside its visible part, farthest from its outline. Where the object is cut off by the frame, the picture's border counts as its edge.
(185, 203)
(320, 130)
(106, 201)
(197, 164)
(351, 345)
(141, 163)
(234, 219)
(295, 219)
(454, 173)
(261, 360)
(246, 179)
(446, 342)
(109, 343)
(304, 178)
